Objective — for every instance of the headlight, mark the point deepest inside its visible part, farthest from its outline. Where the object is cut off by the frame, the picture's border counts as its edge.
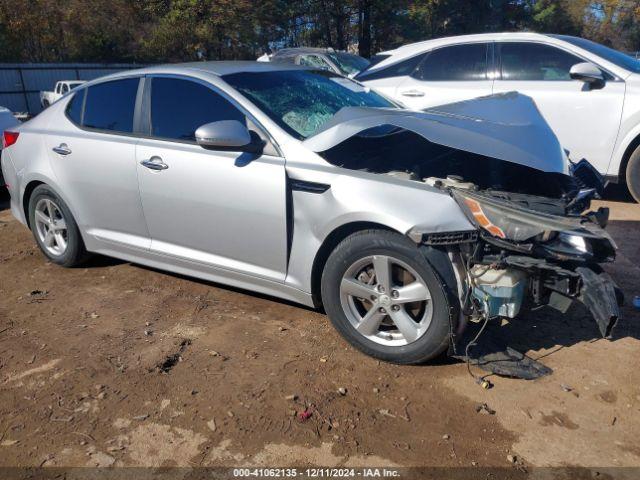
(567, 246)
(576, 242)
(506, 221)
(561, 237)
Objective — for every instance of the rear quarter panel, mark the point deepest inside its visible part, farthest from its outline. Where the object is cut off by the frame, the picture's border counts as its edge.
(30, 161)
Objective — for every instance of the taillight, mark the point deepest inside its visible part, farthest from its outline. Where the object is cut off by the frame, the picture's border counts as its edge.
(9, 138)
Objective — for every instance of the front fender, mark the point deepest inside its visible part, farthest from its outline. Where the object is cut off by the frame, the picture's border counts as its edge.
(398, 204)
(361, 197)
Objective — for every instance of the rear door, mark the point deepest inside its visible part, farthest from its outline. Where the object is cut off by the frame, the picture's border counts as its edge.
(218, 209)
(446, 75)
(92, 154)
(586, 120)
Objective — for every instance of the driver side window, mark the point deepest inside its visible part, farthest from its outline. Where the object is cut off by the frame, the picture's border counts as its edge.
(535, 62)
(179, 107)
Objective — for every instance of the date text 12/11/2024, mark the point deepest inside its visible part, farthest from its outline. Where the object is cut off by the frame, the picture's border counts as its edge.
(315, 472)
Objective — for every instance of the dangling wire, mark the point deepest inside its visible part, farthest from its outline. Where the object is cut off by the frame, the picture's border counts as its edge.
(471, 344)
(471, 279)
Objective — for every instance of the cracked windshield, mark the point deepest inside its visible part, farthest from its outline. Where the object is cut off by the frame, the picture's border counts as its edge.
(300, 101)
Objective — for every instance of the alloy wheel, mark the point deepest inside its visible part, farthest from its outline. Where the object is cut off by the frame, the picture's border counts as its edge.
(51, 227)
(386, 300)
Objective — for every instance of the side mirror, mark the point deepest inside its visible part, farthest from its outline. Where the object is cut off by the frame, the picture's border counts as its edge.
(586, 72)
(224, 135)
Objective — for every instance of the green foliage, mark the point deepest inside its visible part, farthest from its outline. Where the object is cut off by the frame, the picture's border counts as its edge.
(554, 16)
(182, 30)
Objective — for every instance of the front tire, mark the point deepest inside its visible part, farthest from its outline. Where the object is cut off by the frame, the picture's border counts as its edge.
(55, 229)
(633, 175)
(384, 298)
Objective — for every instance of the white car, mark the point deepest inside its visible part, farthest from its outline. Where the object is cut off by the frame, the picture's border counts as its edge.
(588, 93)
(62, 87)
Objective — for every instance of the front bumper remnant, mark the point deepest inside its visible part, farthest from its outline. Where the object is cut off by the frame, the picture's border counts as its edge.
(599, 294)
(494, 355)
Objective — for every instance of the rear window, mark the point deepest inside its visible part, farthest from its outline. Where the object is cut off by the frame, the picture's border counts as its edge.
(110, 105)
(455, 63)
(74, 107)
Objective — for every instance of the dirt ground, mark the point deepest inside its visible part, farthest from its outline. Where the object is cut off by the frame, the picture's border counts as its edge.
(115, 364)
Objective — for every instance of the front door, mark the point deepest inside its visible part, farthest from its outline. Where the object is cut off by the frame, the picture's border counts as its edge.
(219, 209)
(585, 119)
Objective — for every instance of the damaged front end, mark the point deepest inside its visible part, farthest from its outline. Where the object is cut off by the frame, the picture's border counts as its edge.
(534, 250)
(530, 251)
(535, 242)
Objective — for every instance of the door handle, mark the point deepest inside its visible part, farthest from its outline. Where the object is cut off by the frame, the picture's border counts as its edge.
(154, 163)
(62, 149)
(413, 93)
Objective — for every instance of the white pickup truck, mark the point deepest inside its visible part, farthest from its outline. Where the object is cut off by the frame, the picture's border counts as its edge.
(62, 87)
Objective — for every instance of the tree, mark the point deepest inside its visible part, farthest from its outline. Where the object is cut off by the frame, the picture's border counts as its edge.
(181, 30)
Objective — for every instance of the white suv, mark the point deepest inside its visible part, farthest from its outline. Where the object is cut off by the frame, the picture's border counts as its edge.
(588, 93)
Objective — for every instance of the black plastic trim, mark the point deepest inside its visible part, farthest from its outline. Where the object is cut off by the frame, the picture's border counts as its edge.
(310, 187)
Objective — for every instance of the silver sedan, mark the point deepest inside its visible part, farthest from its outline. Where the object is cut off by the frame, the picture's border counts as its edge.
(310, 187)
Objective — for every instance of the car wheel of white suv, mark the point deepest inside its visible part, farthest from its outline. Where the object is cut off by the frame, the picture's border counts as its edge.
(383, 297)
(633, 175)
(54, 228)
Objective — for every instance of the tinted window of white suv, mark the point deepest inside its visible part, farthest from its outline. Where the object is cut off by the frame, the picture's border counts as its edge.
(400, 69)
(535, 61)
(110, 105)
(455, 63)
(180, 107)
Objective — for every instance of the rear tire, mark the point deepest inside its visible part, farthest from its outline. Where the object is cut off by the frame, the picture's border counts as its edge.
(55, 229)
(633, 174)
(377, 319)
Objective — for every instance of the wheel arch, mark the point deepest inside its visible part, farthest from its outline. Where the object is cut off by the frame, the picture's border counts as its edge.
(633, 145)
(330, 242)
(26, 198)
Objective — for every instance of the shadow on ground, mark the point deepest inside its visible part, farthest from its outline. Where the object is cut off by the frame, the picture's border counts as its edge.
(617, 192)
(4, 199)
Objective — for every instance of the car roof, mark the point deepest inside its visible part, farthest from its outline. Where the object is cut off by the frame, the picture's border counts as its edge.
(478, 37)
(228, 67)
(218, 68)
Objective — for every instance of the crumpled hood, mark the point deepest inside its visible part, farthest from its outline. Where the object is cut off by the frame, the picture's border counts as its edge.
(505, 126)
